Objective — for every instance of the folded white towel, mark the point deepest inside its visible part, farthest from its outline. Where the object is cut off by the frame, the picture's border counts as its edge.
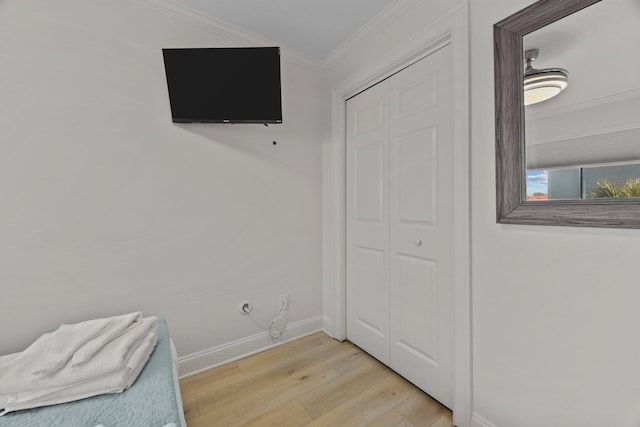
(14, 376)
(117, 327)
(55, 349)
(116, 354)
(114, 382)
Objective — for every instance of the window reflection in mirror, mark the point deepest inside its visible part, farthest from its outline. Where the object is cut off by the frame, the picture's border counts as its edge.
(585, 142)
(588, 182)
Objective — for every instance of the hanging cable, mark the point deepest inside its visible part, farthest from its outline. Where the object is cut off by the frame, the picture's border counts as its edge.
(278, 325)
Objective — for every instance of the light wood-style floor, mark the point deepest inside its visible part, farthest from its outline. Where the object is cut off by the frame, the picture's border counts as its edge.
(313, 381)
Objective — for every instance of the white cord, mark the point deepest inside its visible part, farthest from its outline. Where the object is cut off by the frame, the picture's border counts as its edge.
(278, 325)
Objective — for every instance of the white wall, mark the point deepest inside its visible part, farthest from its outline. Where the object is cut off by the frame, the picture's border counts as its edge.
(108, 207)
(555, 309)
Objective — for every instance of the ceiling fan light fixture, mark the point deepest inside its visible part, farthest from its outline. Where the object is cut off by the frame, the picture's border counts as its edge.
(541, 85)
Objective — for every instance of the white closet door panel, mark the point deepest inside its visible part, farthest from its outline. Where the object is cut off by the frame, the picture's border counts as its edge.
(417, 180)
(370, 290)
(421, 225)
(418, 295)
(369, 182)
(368, 221)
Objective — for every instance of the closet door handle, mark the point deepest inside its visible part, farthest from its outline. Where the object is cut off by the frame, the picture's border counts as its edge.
(418, 242)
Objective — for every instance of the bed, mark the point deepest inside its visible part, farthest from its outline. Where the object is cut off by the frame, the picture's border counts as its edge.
(152, 401)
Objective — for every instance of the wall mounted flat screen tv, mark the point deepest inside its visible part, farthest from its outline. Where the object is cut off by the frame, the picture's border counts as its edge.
(224, 85)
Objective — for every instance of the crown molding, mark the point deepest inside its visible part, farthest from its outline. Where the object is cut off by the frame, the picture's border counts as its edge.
(384, 18)
(226, 30)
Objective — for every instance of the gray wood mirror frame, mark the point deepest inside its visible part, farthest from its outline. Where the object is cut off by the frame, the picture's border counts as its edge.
(512, 206)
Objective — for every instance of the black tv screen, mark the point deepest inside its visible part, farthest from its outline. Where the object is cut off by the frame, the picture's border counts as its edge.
(224, 85)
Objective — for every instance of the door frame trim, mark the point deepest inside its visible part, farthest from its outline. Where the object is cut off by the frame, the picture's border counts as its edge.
(451, 29)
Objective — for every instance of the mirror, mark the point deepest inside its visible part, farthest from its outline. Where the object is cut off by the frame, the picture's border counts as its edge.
(572, 159)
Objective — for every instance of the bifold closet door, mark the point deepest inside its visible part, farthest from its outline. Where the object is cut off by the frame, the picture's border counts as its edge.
(368, 220)
(400, 223)
(421, 225)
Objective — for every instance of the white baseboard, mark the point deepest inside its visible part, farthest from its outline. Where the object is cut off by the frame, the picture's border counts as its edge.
(206, 359)
(480, 421)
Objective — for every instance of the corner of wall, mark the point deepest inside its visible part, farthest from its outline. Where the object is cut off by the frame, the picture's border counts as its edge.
(327, 326)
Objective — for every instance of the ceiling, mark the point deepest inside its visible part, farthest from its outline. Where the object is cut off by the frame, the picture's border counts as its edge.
(312, 27)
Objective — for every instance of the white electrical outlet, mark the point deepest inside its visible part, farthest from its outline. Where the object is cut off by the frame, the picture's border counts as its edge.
(284, 302)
